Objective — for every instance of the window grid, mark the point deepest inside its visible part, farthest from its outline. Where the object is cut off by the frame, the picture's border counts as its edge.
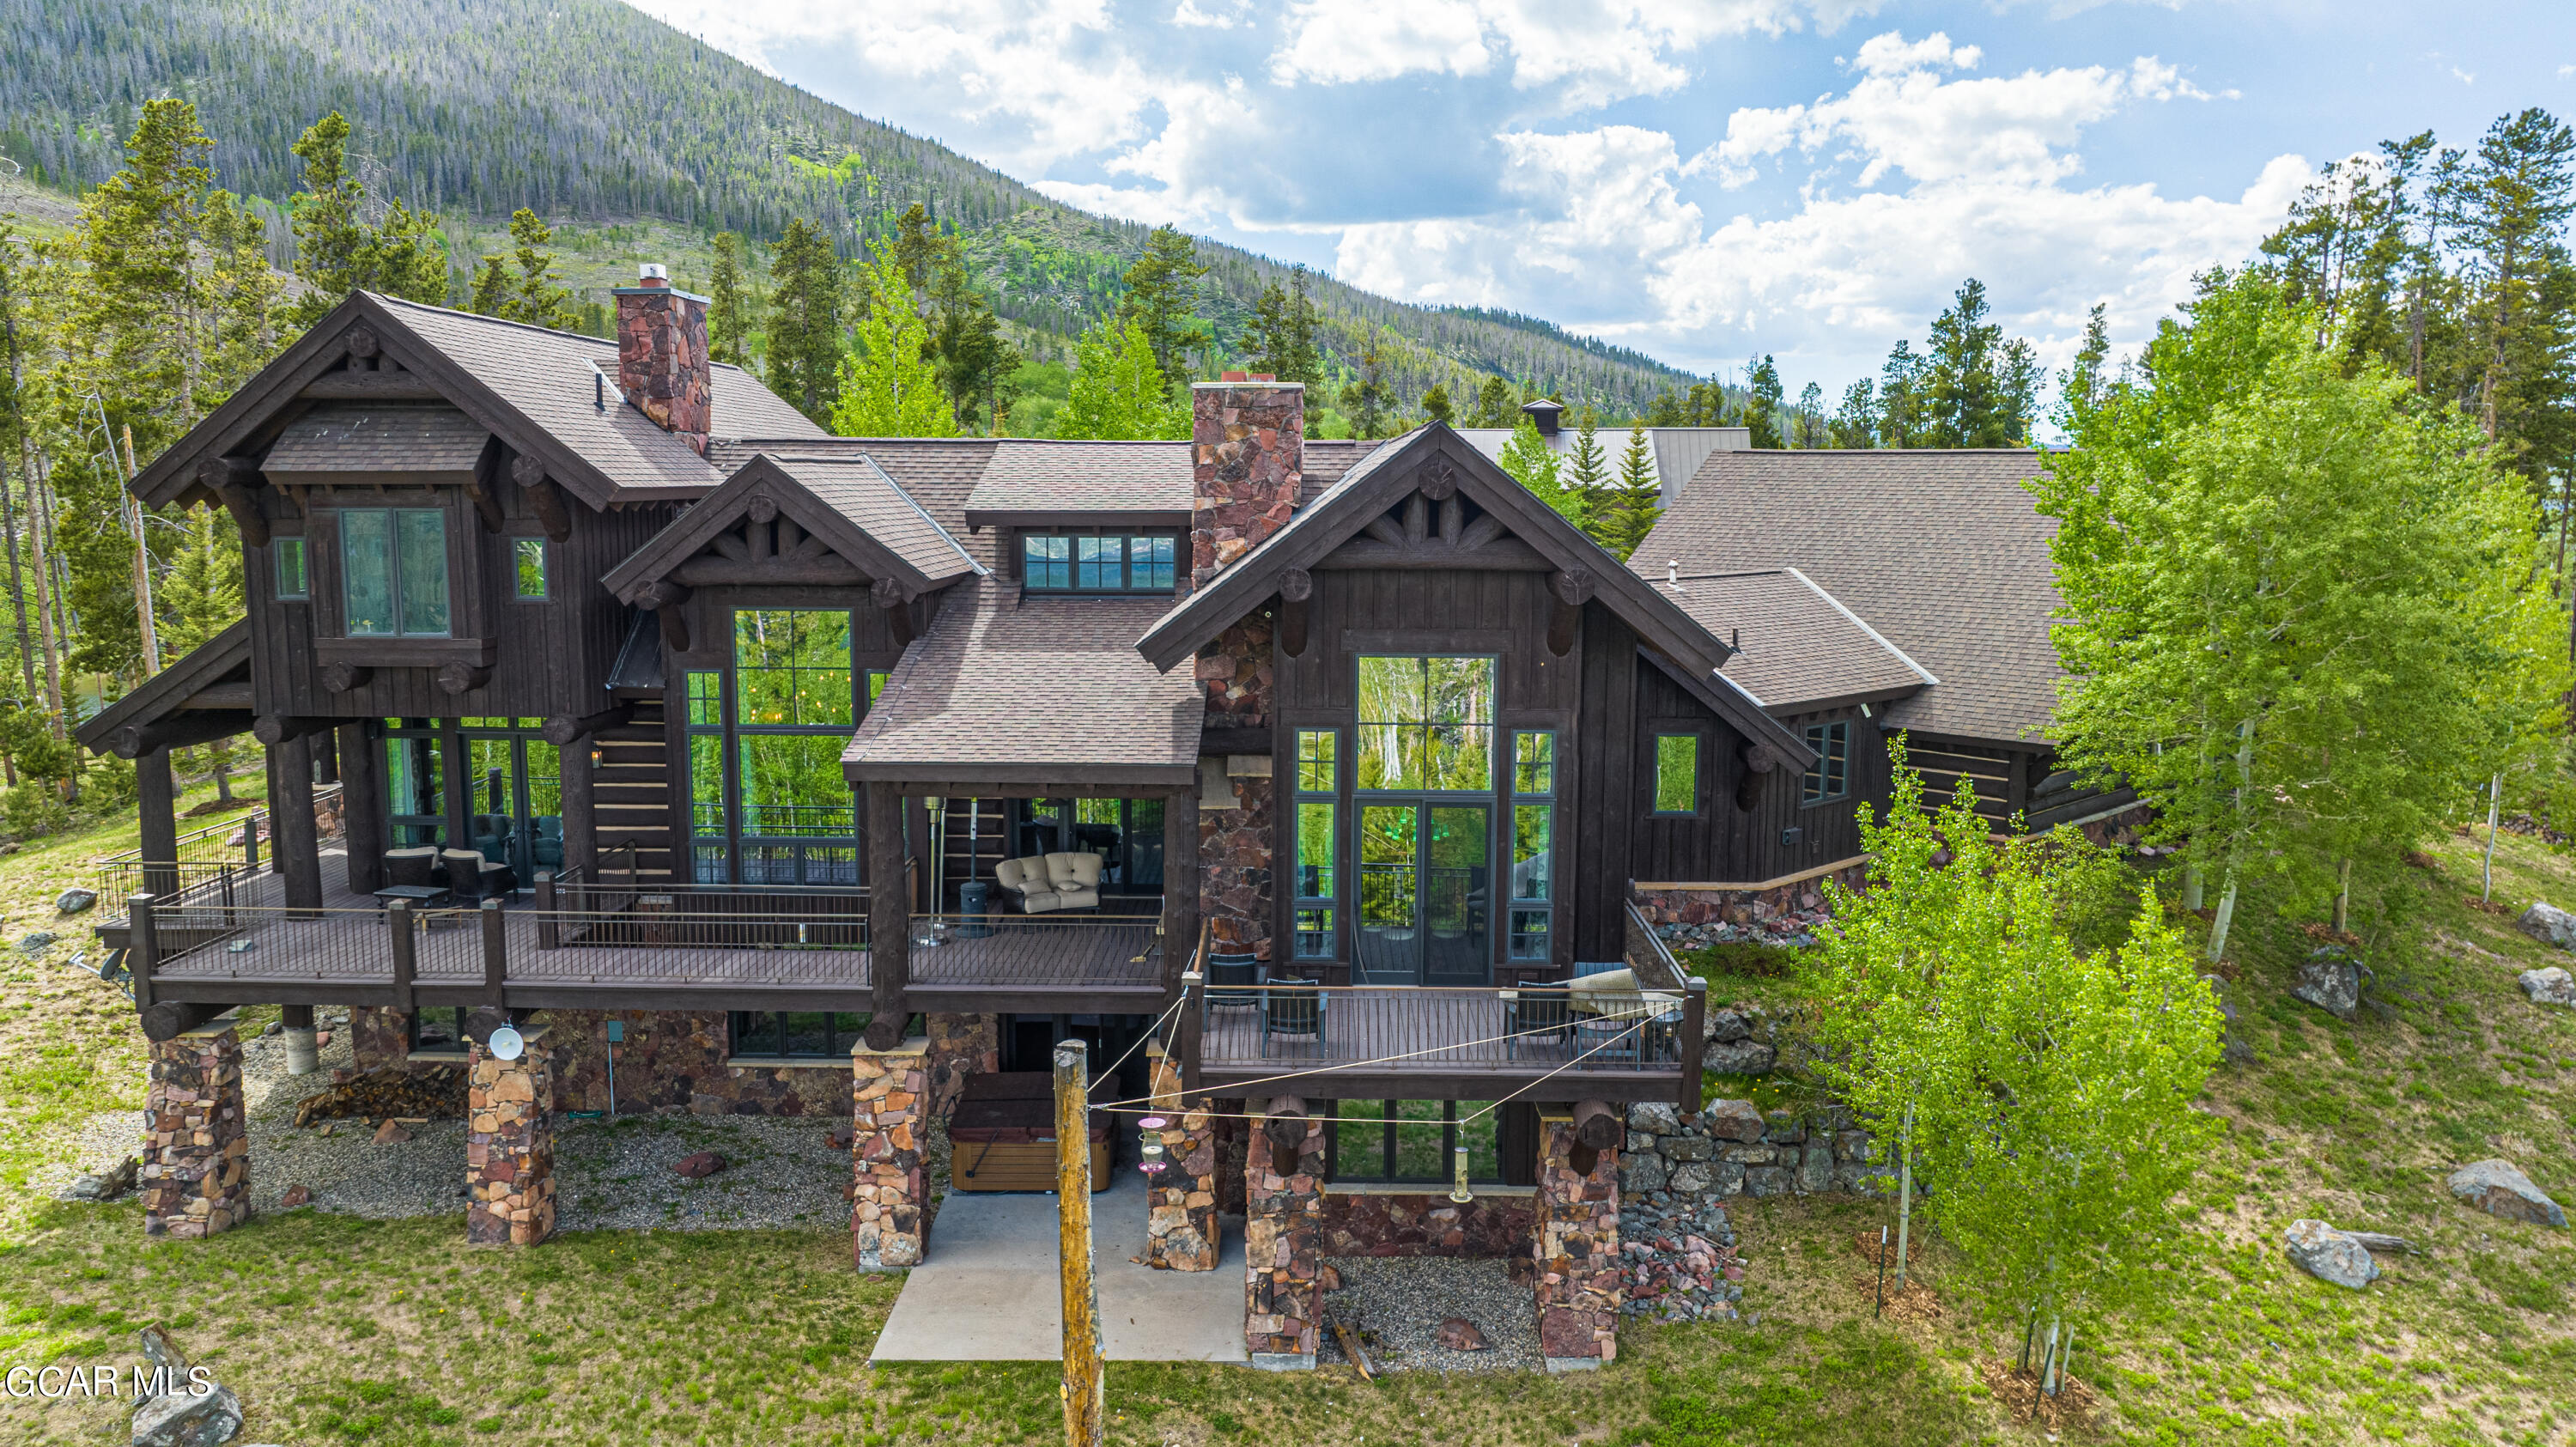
(1098, 562)
(1830, 779)
(1412, 1142)
(1318, 843)
(1533, 903)
(1426, 723)
(798, 1034)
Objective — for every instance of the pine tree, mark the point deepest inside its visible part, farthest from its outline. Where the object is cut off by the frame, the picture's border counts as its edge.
(1904, 412)
(491, 292)
(536, 294)
(2080, 389)
(1762, 401)
(1855, 423)
(1493, 404)
(805, 320)
(888, 386)
(407, 258)
(1638, 500)
(975, 362)
(1366, 400)
(1437, 406)
(1280, 340)
(330, 236)
(1810, 417)
(1162, 299)
(726, 321)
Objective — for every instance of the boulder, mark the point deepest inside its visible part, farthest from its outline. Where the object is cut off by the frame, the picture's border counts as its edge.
(2500, 1189)
(75, 899)
(184, 1419)
(1641, 1173)
(1734, 1120)
(2330, 979)
(2330, 1255)
(1740, 1057)
(391, 1133)
(1783, 1128)
(1458, 1334)
(700, 1166)
(1691, 1180)
(296, 1196)
(105, 1185)
(1657, 1116)
(1728, 1026)
(161, 1355)
(2552, 986)
(1766, 1181)
(37, 941)
(2546, 921)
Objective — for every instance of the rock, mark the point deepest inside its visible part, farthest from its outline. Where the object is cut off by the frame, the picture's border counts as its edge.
(275, 1027)
(105, 1185)
(1816, 1170)
(1783, 1128)
(1458, 1334)
(838, 1139)
(2545, 921)
(2330, 980)
(1680, 1148)
(161, 1354)
(1642, 1173)
(391, 1133)
(321, 1039)
(2552, 986)
(2499, 1189)
(1329, 1277)
(1733, 1120)
(1766, 1181)
(75, 899)
(700, 1166)
(297, 1196)
(1691, 1180)
(2330, 1255)
(184, 1419)
(1741, 1057)
(1725, 1027)
(1657, 1116)
(37, 941)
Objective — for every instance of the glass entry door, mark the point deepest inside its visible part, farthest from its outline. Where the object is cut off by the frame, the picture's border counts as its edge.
(1426, 879)
(515, 809)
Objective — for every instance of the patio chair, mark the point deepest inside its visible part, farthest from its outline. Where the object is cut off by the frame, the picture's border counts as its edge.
(1230, 978)
(1292, 1011)
(473, 879)
(415, 868)
(1049, 883)
(1535, 1014)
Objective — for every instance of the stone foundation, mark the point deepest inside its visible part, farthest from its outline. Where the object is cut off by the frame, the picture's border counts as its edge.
(1180, 1204)
(1283, 1235)
(1579, 1286)
(1430, 1224)
(1785, 914)
(195, 1175)
(510, 1145)
(671, 1060)
(890, 1092)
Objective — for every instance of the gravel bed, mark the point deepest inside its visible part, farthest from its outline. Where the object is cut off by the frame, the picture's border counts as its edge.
(1396, 1304)
(780, 1170)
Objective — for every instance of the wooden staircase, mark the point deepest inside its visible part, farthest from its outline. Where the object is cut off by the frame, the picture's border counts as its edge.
(631, 792)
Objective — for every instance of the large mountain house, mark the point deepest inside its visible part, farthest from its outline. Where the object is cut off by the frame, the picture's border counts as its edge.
(1336, 791)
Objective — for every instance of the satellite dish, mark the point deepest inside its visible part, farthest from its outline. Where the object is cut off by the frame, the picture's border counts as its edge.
(506, 1043)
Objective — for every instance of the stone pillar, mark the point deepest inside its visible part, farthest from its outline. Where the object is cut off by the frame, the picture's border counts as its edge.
(1577, 1245)
(1180, 1205)
(890, 1092)
(195, 1176)
(1247, 460)
(510, 1145)
(1283, 1241)
(960, 1046)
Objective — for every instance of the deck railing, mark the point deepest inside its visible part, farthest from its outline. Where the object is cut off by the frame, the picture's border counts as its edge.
(235, 838)
(1408, 1027)
(1648, 956)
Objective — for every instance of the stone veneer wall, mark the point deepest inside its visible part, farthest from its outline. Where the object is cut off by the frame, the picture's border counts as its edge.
(670, 1059)
(1283, 1240)
(1785, 913)
(890, 1091)
(960, 1045)
(1577, 1252)
(1430, 1224)
(1180, 1204)
(1248, 443)
(195, 1175)
(510, 1145)
(1733, 1148)
(662, 359)
(1235, 844)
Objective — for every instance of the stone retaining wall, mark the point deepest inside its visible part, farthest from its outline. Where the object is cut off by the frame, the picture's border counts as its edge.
(1734, 1149)
(1282, 1252)
(670, 1060)
(1785, 914)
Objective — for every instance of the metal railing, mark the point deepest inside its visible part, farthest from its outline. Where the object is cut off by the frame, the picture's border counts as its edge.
(235, 839)
(684, 948)
(1649, 958)
(1424, 1027)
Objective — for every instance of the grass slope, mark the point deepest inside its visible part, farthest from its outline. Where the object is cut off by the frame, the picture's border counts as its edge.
(337, 1330)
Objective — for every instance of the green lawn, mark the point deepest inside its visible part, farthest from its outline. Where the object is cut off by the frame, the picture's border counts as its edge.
(336, 1330)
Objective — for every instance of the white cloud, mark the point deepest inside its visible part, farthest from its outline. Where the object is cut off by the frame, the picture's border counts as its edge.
(1902, 114)
(1224, 17)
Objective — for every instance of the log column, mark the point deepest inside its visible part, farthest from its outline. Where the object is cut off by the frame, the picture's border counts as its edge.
(1180, 887)
(362, 807)
(1180, 1204)
(158, 802)
(510, 1143)
(1577, 1243)
(298, 844)
(890, 1093)
(580, 808)
(889, 918)
(195, 1175)
(1283, 1237)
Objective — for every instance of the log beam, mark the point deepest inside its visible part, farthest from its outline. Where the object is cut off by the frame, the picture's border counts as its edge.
(564, 729)
(179, 731)
(1296, 589)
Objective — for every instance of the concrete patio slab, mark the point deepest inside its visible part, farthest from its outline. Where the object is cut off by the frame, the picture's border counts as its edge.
(986, 1291)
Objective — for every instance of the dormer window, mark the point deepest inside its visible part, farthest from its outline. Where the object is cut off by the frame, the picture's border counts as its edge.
(393, 572)
(1097, 562)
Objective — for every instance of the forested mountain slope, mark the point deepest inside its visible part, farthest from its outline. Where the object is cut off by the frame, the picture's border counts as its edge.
(587, 110)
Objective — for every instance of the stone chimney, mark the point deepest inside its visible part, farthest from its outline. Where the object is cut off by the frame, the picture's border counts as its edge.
(1247, 457)
(662, 355)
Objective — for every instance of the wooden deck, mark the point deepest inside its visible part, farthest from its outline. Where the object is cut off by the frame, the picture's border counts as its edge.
(1403, 1043)
(245, 947)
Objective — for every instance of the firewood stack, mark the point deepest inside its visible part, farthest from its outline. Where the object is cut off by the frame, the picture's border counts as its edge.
(433, 1092)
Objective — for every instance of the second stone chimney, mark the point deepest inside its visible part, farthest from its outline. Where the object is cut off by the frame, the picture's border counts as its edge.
(662, 355)
(1247, 459)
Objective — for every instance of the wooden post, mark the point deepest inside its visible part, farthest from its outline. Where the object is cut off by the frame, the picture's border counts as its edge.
(158, 800)
(142, 946)
(298, 843)
(1085, 1409)
(546, 937)
(889, 918)
(1694, 1025)
(1189, 1032)
(460, 784)
(362, 808)
(406, 945)
(495, 952)
(1180, 887)
(580, 811)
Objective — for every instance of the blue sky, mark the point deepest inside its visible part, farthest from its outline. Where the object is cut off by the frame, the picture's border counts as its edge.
(1701, 179)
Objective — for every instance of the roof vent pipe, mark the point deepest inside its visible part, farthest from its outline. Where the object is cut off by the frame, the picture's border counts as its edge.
(1673, 572)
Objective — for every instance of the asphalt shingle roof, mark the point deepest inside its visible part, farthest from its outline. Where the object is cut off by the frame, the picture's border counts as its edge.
(1941, 551)
(936, 472)
(858, 489)
(1797, 645)
(1032, 688)
(379, 437)
(1078, 477)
